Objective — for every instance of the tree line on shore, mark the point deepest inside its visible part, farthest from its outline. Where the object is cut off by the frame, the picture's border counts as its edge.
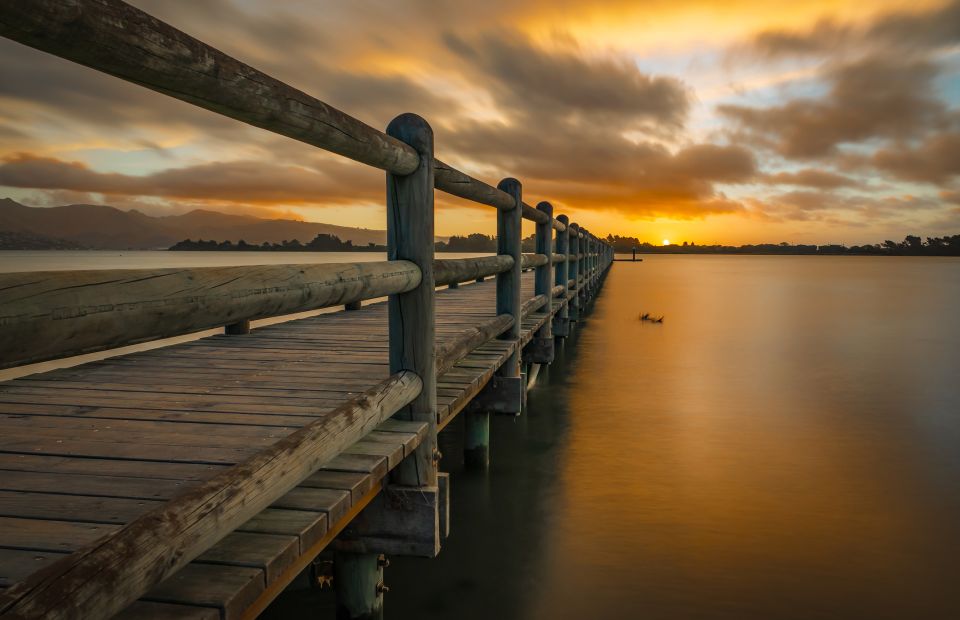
(323, 242)
(480, 243)
(910, 246)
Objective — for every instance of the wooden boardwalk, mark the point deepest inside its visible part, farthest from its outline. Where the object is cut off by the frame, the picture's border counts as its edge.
(86, 449)
(198, 480)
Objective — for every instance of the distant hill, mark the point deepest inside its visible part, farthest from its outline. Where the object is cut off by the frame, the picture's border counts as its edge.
(10, 240)
(107, 228)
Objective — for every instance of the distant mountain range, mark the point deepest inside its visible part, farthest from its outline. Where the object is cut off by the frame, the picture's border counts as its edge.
(99, 227)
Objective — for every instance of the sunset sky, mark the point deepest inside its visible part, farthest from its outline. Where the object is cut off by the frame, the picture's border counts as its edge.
(734, 121)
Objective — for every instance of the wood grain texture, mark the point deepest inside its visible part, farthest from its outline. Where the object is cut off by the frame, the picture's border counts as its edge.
(155, 546)
(411, 315)
(44, 315)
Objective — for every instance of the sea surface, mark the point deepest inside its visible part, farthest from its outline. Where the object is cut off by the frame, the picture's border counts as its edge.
(786, 444)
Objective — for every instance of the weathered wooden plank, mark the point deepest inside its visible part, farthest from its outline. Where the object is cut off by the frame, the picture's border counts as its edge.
(16, 564)
(272, 553)
(148, 610)
(308, 526)
(167, 538)
(230, 589)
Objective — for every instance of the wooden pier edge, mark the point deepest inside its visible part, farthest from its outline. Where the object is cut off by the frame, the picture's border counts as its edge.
(469, 361)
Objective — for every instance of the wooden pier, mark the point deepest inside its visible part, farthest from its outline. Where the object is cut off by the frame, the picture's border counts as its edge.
(198, 480)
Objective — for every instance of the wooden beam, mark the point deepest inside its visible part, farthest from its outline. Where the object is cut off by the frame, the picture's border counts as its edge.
(50, 314)
(454, 270)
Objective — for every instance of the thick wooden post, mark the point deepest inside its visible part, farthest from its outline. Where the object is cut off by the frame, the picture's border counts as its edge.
(359, 574)
(501, 389)
(574, 271)
(540, 350)
(582, 271)
(561, 322)
(411, 314)
(508, 282)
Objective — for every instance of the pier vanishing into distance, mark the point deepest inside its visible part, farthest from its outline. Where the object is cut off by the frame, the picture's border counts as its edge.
(198, 480)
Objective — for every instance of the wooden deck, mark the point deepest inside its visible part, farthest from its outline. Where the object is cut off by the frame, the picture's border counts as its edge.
(86, 449)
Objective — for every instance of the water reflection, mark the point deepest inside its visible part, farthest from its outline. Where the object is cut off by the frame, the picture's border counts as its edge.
(785, 445)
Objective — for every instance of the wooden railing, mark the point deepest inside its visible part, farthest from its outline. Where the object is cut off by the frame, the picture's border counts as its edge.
(55, 314)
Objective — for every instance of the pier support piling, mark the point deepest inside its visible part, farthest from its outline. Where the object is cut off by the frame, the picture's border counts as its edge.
(508, 282)
(358, 582)
(476, 448)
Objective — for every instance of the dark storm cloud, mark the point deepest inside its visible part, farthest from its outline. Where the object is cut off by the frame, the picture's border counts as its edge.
(568, 117)
(811, 177)
(240, 181)
(875, 97)
(529, 81)
(905, 31)
(825, 206)
(936, 160)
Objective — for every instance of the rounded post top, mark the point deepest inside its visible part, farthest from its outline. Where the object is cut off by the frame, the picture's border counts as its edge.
(546, 207)
(415, 131)
(511, 186)
(563, 218)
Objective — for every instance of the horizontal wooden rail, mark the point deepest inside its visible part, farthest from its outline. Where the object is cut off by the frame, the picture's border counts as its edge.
(451, 351)
(533, 214)
(151, 53)
(559, 258)
(103, 578)
(455, 270)
(46, 315)
(452, 181)
(533, 260)
(533, 304)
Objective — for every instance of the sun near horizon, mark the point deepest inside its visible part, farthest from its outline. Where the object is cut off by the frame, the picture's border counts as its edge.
(731, 129)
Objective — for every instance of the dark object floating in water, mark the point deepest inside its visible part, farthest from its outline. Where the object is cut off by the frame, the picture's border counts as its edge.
(646, 317)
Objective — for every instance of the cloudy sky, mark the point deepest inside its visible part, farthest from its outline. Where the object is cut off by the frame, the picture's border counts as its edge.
(729, 121)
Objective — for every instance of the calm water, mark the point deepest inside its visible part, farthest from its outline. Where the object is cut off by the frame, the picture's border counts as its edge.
(785, 445)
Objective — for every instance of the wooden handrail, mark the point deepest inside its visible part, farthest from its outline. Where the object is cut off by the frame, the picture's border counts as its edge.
(455, 270)
(47, 315)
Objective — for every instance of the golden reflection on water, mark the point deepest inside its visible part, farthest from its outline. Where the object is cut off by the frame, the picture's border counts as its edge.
(784, 445)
